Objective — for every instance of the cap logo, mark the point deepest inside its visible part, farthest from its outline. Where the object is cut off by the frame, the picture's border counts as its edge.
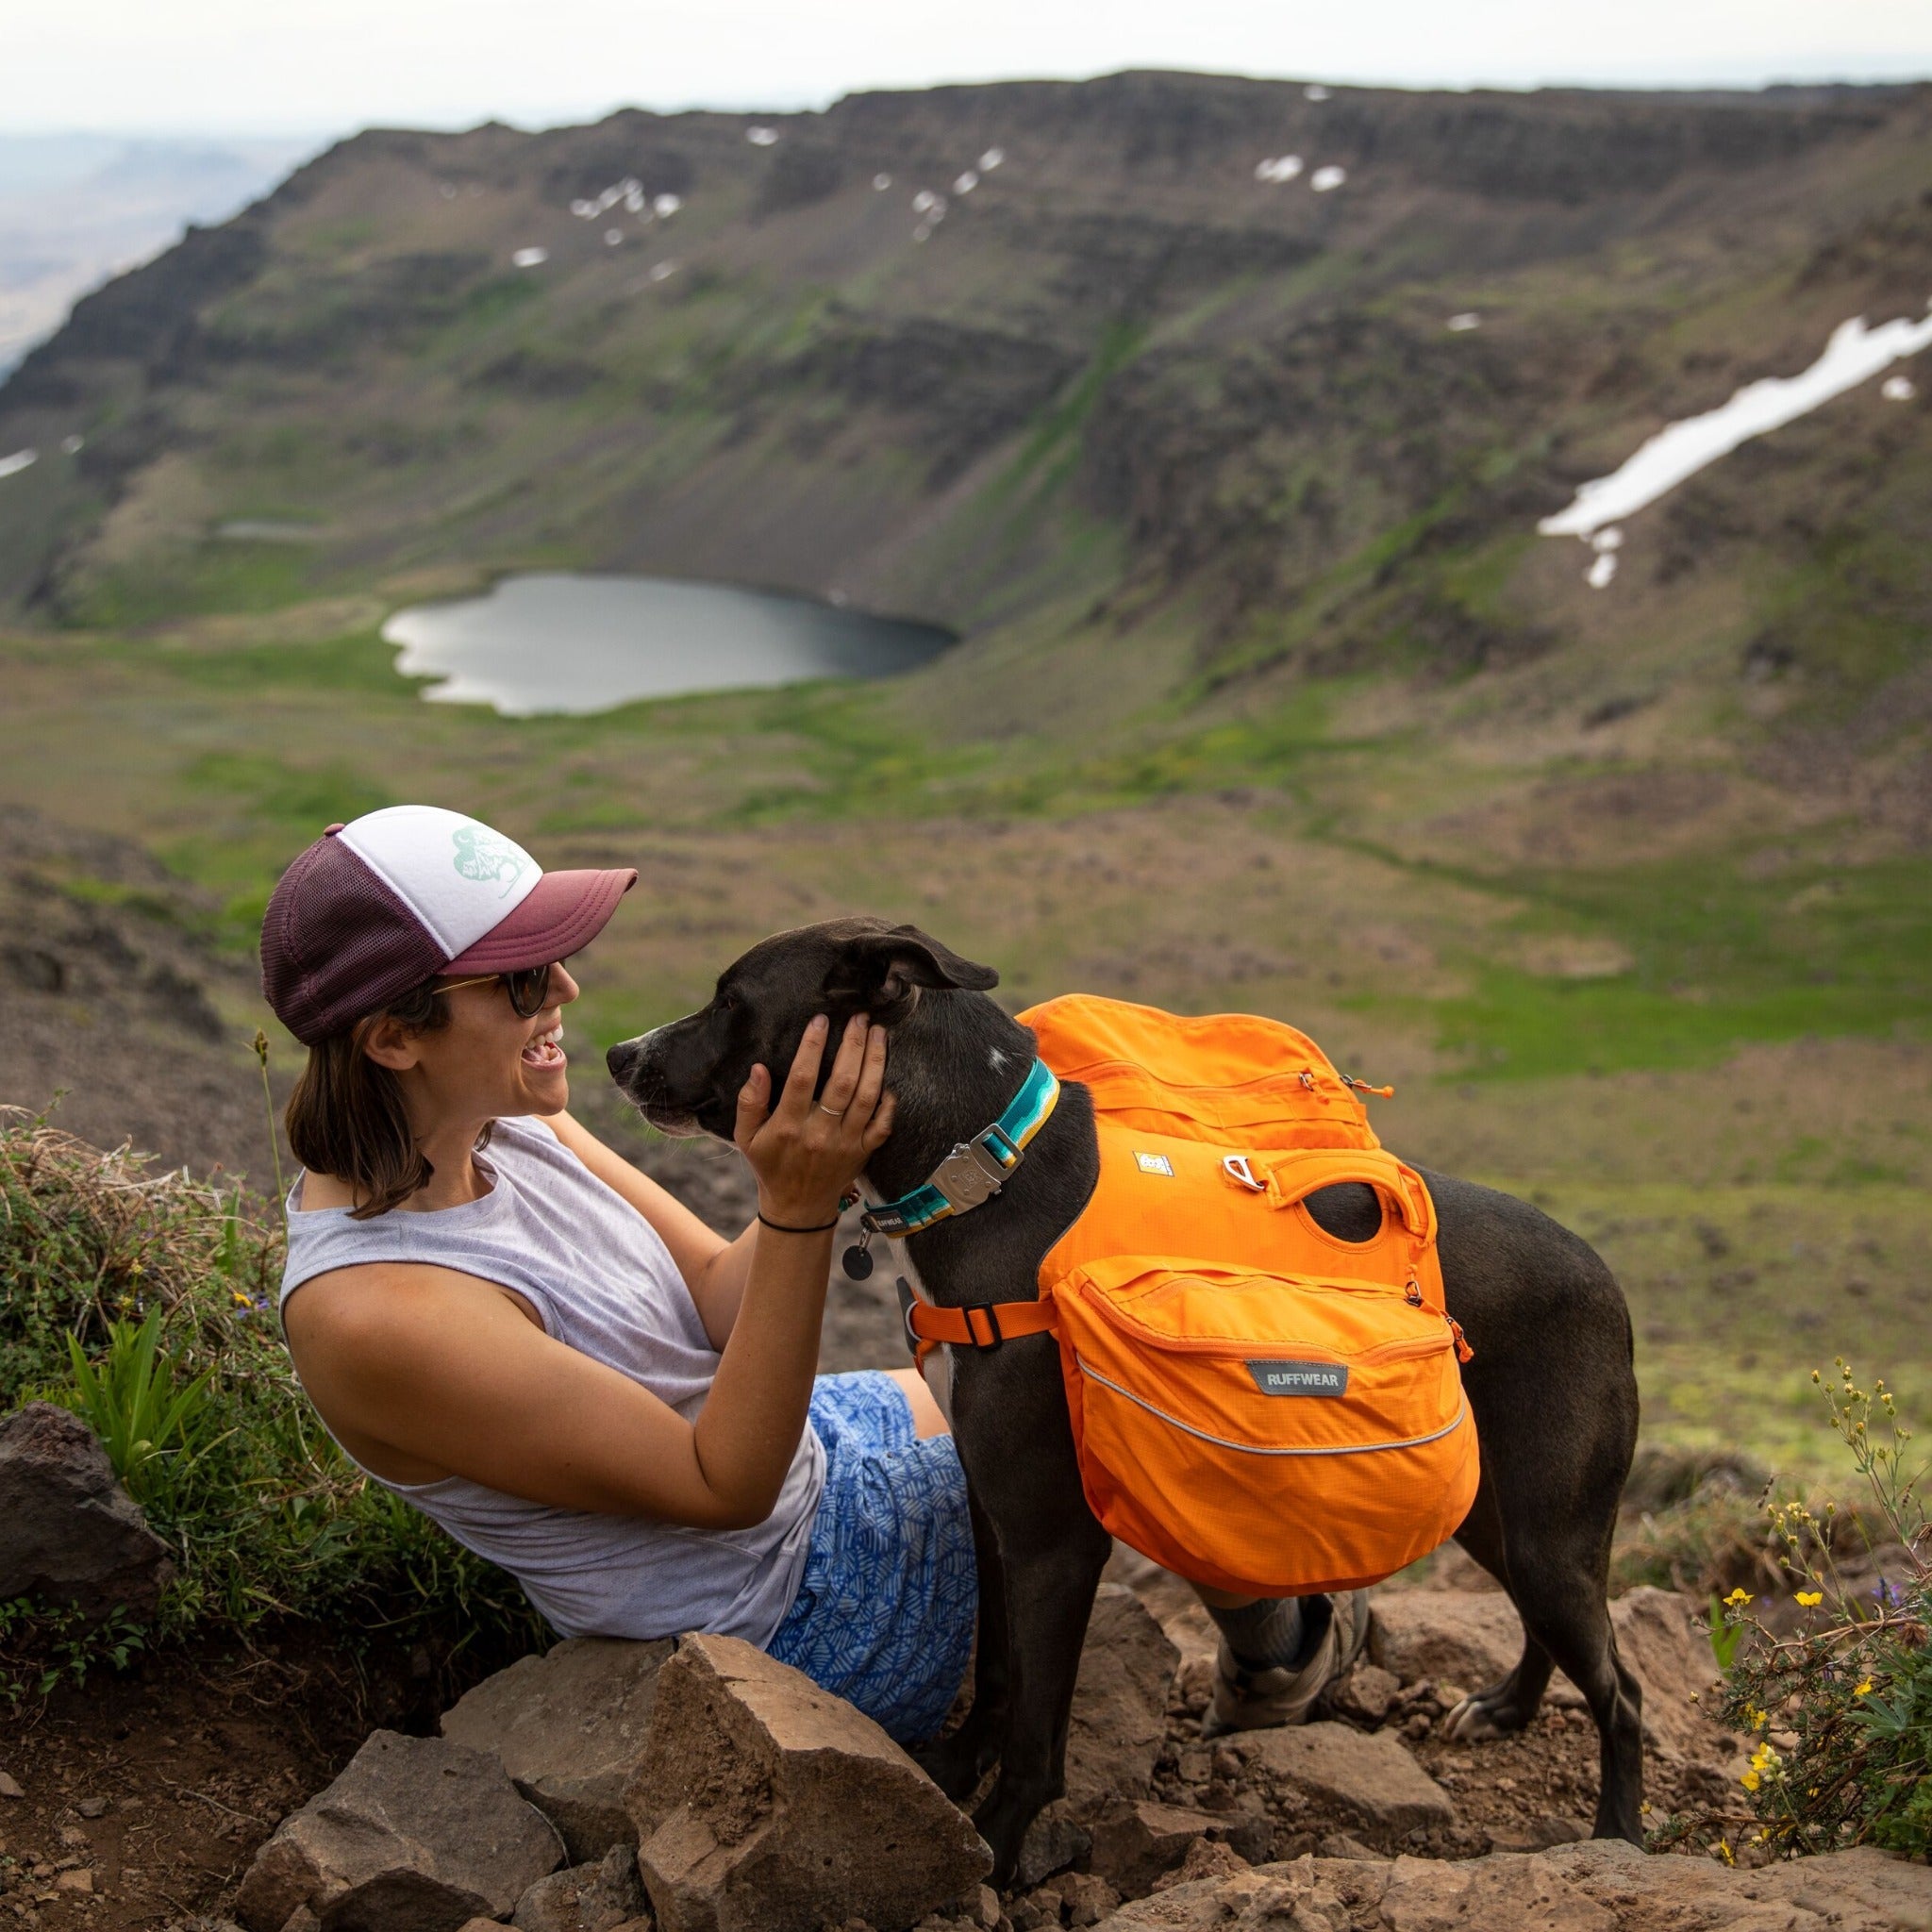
(488, 856)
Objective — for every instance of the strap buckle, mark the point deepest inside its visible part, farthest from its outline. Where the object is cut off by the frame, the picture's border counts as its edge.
(971, 1172)
(992, 1326)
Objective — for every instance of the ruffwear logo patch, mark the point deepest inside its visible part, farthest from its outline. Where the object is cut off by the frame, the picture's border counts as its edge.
(1155, 1163)
(489, 858)
(1300, 1379)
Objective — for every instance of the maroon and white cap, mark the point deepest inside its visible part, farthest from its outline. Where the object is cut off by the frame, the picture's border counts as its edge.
(409, 893)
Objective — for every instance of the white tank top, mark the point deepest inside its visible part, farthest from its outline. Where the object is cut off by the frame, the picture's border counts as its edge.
(603, 1283)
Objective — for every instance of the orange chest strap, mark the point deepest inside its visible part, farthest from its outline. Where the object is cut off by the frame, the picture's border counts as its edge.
(979, 1325)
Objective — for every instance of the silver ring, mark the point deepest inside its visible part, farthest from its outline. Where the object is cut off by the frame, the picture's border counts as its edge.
(837, 1113)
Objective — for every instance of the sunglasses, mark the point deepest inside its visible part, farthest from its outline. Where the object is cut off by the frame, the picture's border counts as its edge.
(528, 988)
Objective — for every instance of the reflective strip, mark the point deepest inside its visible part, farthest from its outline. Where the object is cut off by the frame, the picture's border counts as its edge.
(1249, 1449)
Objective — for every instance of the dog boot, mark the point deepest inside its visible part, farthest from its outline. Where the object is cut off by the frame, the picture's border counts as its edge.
(1252, 1697)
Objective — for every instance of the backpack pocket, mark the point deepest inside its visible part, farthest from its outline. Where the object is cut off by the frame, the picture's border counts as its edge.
(1264, 1431)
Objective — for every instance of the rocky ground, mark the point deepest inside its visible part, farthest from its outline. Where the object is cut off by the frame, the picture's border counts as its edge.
(710, 1788)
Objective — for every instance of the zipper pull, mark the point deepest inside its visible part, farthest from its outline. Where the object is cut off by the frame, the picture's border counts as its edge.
(1463, 1351)
(1349, 1080)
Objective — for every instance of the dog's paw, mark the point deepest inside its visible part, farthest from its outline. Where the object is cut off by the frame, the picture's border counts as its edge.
(1478, 1718)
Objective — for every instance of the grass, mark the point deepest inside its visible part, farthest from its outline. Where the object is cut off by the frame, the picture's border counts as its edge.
(143, 1302)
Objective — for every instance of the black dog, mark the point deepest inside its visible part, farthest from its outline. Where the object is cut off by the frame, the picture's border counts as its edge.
(1551, 1383)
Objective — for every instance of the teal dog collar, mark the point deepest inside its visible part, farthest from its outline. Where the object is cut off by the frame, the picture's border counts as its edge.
(976, 1169)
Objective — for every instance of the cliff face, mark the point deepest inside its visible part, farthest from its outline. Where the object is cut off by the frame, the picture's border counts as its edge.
(976, 352)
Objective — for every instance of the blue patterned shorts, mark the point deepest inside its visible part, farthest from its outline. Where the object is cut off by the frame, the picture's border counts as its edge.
(885, 1608)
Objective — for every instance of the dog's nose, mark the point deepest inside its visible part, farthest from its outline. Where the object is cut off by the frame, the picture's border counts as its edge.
(621, 1059)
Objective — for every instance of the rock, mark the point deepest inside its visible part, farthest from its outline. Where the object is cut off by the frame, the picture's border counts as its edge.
(1136, 1840)
(1462, 1636)
(569, 1727)
(1340, 1844)
(1366, 1694)
(1662, 1638)
(1297, 1897)
(1860, 1890)
(92, 1807)
(585, 1898)
(417, 1834)
(764, 1804)
(1204, 1859)
(1087, 1897)
(1053, 1842)
(73, 1535)
(302, 1920)
(1472, 1895)
(8, 1788)
(1366, 1775)
(79, 1880)
(1119, 1717)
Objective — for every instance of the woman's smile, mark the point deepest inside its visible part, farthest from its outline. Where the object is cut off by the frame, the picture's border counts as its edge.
(547, 1049)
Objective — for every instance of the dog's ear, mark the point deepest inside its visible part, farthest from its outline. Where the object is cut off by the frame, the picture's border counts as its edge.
(881, 973)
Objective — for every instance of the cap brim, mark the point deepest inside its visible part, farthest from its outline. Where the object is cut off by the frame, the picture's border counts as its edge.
(565, 912)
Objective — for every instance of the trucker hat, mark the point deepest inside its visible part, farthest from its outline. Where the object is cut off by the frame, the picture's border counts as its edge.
(409, 893)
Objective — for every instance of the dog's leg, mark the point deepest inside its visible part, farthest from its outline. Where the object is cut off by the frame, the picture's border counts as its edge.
(1016, 1441)
(959, 1763)
(1507, 1705)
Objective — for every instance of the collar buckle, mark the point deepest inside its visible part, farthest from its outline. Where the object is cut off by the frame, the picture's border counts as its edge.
(970, 1174)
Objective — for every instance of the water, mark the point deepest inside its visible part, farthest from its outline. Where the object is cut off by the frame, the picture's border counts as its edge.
(552, 642)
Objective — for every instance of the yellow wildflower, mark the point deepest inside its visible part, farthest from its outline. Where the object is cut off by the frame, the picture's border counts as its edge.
(1724, 1851)
(1811, 1599)
(1737, 1598)
(1750, 1780)
(1862, 1688)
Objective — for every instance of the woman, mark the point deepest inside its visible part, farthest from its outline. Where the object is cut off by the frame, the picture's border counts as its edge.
(508, 1326)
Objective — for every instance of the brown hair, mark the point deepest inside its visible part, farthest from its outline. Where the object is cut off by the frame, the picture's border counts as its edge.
(346, 1117)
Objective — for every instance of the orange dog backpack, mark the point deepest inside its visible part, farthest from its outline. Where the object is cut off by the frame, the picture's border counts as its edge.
(1257, 1405)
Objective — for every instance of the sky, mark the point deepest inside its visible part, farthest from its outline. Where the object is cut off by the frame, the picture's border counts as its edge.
(318, 67)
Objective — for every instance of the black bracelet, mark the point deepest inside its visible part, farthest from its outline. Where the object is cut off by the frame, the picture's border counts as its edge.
(779, 1228)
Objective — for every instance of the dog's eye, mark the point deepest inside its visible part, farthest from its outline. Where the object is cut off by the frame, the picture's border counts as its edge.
(726, 1003)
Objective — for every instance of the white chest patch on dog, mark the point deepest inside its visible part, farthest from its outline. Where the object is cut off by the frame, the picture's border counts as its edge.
(1154, 1163)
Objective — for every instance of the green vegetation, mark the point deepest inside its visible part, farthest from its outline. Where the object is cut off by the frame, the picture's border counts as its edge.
(145, 1302)
(1838, 1709)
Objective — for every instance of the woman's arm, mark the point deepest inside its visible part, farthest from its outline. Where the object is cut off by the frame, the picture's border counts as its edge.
(423, 1360)
(714, 1270)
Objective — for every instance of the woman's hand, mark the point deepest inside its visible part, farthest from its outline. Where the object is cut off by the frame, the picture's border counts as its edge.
(805, 1152)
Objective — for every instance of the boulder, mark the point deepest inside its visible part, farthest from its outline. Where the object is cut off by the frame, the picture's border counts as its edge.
(1602, 1886)
(1858, 1890)
(1475, 1894)
(569, 1727)
(1368, 1777)
(585, 1898)
(1119, 1719)
(417, 1834)
(73, 1535)
(1455, 1637)
(764, 1804)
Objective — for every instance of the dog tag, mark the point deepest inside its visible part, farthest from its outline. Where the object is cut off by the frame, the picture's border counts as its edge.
(856, 1262)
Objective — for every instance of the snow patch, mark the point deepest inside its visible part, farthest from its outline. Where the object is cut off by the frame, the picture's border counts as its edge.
(762, 137)
(1603, 567)
(612, 236)
(966, 183)
(1314, 92)
(880, 183)
(663, 271)
(1278, 168)
(665, 206)
(1322, 179)
(530, 257)
(1854, 355)
(1898, 389)
(72, 446)
(1469, 319)
(21, 460)
(991, 160)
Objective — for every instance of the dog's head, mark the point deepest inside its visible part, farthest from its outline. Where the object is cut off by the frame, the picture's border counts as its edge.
(685, 1077)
